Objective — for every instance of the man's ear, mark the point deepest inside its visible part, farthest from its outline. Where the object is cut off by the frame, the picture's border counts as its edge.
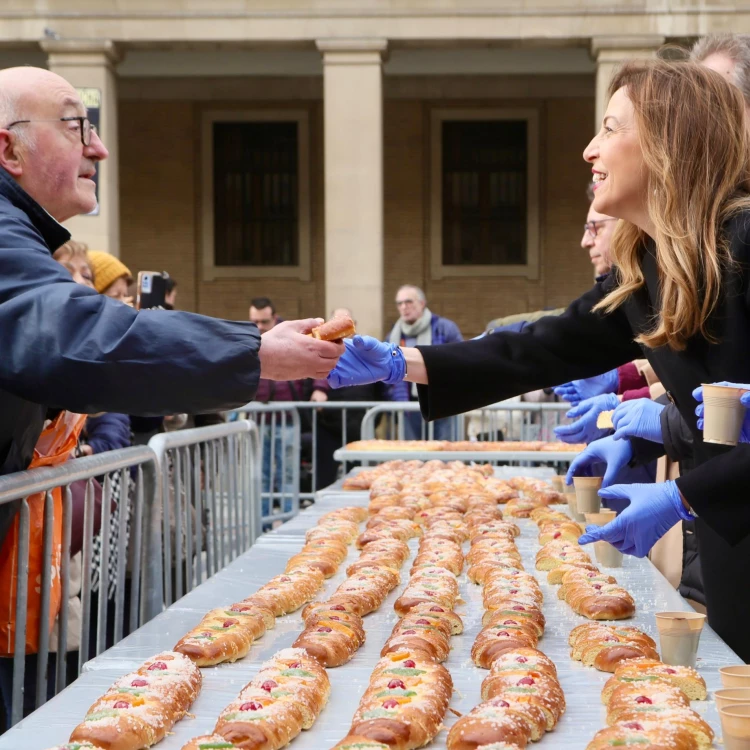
(10, 157)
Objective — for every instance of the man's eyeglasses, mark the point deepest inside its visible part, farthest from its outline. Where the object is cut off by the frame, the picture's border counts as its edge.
(593, 227)
(85, 127)
(402, 302)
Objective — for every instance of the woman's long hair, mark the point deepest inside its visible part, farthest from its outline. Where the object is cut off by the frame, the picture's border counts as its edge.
(696, 147)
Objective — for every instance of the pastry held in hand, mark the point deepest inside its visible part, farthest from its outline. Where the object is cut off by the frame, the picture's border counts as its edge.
(338, 328)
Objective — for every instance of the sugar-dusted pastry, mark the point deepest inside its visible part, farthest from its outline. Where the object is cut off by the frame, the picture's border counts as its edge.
(223, 635)
(642, 671)
(331, 636)
(142, 707)
(289, 591)
(434, 584)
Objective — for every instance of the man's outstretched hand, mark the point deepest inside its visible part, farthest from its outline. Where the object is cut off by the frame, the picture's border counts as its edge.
(286, 353)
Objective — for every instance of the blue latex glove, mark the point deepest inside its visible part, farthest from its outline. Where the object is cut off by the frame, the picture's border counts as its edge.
(584, 429)
(653, 510)
(579, 390)
(639, 418)
(367, 360)
(615, 454)
(744, 400)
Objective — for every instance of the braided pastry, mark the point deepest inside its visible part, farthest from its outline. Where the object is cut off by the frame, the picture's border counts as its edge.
(405, 703)
(643, 735)
(642, 671)
(224, 635)
(539, 689)
(354, 513)
(489, 725)
(436, 585)
(646, 698)
(289, 591)
(76, 746)
(142, 707)
(685, 718)
(365, 590)
(416, 632)
(331, 637)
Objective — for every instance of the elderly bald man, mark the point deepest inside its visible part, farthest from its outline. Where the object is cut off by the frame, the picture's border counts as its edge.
(65, 347)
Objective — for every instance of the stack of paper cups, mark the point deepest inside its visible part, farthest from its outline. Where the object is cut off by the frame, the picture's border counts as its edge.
(735, 726)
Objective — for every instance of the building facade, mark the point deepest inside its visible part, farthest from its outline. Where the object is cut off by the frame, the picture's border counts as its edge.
(324, 153)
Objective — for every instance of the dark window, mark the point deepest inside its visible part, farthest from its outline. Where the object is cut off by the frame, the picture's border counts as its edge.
(256, 206)
(484, 192)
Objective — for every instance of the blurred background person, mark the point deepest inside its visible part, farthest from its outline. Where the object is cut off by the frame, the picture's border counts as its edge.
(112, 276)
(417, 325)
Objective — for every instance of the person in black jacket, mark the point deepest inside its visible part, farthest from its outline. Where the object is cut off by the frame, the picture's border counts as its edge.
(672, 161)
(65, 346)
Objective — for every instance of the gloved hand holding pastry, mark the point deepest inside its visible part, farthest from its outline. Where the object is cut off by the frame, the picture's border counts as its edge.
(584, 429)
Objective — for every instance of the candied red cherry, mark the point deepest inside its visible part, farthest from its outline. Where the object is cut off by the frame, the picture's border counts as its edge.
(436, 609)
(410, 664)
(644, 699)
(390, 703)
(598, 586)
(556, 535)
(157, 665)
(325, 629)
(501, 703)
(269, 685)
(229, 623)
(251, 706)
(396, 684)
(633, 725)
(429, 593)
(121, 704)
(334, 617)
(513, 591)
(519, 608)
(509, 622)
(339, 607)
(670, 671)
(294, 665)
(502, 633)
(408, 632)
(207, 634)
(285, 579)
(521, 659)
(526, 681)
(139, 683)
(422, 621)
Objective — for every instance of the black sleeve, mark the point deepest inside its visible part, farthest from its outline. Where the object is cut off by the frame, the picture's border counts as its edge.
(678, 439)
(553, 350)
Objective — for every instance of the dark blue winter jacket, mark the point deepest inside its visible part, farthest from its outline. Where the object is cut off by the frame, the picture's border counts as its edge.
(62, 345)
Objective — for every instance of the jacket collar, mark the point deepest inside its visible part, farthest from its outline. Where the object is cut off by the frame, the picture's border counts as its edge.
(53, 233)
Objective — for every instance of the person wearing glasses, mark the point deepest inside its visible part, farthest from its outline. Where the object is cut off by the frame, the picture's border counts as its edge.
(64, 346)
(418, 325)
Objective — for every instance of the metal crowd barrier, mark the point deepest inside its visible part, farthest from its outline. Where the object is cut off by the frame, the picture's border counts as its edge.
(18, 488)
(173, 513)
(294, 438)
(210, 493)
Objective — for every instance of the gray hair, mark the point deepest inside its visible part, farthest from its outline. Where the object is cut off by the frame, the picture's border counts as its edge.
(10, 112)
(736, 47)
(420, 294)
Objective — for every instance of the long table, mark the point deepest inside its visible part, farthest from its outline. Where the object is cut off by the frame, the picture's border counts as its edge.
(53, 723)
(529, 457)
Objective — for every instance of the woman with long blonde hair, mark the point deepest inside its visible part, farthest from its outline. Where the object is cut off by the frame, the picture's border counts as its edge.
(672, 162)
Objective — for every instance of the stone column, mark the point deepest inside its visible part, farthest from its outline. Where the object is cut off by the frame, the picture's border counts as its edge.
(353, 114)
(89, 66)
(610, 52)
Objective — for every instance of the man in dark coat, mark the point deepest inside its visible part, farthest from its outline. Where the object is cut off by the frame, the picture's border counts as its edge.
(63, 345)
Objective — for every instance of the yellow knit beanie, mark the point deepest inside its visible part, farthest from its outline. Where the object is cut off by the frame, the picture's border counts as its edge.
(107, 269)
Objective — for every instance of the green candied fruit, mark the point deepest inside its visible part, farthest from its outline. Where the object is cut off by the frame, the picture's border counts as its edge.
(214, 745)
(107, 713)
(296, 673)
(405, 671)
(244, 716)
(378, 713)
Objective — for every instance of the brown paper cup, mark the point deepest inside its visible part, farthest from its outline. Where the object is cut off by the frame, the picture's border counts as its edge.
(602, 518)
(735, 726)
(735, 677)
(573, 506)
(679, 635)
(731, 697)
(723, 414)
(587, 499)
(558, 482)
(607, 555)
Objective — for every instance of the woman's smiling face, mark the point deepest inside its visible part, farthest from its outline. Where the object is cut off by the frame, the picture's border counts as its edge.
(619, 170)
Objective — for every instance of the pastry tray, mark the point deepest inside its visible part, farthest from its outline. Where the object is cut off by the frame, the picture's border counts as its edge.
(53, 723)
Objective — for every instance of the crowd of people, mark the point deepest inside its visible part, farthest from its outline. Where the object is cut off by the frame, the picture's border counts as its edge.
(668, 235)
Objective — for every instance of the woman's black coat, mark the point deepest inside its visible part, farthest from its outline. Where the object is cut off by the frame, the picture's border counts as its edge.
(581, 344)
